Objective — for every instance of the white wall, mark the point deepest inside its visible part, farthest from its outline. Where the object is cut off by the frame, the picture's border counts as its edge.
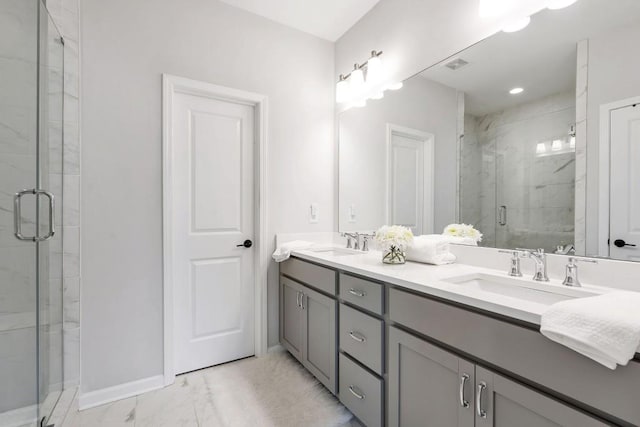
(422, 105)
(612, 76)
(126, 47)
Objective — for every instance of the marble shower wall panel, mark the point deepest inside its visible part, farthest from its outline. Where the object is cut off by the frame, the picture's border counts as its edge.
(66, 15)
(18, 115)
(582, 78)
(538, 191)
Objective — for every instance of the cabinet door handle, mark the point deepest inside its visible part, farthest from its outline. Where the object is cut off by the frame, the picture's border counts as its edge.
(298, 298)
(481, 412)
(463, 379)
(356, 336)
(360, 395)
(357, 292)
(302, 297)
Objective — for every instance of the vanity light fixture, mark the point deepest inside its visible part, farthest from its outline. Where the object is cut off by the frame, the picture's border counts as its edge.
(517, 25)
(365, 81)
(541, 148)
(516, 91)
(556, 145)
(560, 4)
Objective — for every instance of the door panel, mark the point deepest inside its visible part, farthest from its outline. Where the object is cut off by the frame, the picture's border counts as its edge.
(507, 403)
(424, 384)
(212, 212)
(291, 327)
(319, 348)
(625, 183)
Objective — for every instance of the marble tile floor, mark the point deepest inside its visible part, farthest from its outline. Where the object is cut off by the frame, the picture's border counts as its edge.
(271, 391)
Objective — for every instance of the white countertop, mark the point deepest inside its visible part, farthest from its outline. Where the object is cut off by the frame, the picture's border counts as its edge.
(429, 280)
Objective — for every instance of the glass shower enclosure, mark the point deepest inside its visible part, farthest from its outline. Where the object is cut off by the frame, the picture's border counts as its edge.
(31, 170)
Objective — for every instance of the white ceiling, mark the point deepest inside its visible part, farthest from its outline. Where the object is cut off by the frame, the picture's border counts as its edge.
(541, 58)
(327, 19)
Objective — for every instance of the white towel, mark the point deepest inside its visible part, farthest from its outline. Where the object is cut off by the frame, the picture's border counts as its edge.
(283, 252)
(469, 241)
(605, 328)
(430, 251)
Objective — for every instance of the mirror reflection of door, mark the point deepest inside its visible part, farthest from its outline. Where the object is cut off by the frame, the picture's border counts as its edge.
(410, 178)
(624, 231)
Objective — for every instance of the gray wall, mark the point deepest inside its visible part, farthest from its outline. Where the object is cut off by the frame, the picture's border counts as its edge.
(126, 45)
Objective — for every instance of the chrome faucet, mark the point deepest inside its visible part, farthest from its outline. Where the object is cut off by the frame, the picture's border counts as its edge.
(540, 259)
(571, 278)
(351, 238)
(514, 270)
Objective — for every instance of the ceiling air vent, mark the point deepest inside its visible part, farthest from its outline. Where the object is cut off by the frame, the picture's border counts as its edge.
(456, 64)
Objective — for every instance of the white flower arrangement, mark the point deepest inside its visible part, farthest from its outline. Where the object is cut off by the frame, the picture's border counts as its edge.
(464, 231)
(395, 236)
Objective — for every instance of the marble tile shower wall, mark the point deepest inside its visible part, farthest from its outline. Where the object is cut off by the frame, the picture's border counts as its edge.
(65, 13)
(504, 169)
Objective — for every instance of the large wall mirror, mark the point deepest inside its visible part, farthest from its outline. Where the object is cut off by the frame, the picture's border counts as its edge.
(533, 137)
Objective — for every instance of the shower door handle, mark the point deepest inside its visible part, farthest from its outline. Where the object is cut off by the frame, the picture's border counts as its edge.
(17, 216)
(502, 215)
(52, 219)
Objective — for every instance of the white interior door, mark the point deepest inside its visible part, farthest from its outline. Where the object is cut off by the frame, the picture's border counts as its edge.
(410, 174)
(212, 208)
(624, 229)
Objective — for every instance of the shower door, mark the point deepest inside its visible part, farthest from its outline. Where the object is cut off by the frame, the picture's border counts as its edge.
(31, 105)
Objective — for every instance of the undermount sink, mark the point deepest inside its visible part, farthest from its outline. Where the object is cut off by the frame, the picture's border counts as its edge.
(336, 251)
(524, 289)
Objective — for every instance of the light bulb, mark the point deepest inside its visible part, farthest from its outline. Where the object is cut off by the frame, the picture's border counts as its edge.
(517, 25)
(356, 87)
(374, 71)
(541, 148)
(572, 142)
(560, 4)
(556, 145)
(342, 90)
(516, 90)
(395, 86)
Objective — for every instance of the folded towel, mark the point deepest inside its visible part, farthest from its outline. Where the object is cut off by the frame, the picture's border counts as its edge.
(283, 252)
(605, 328)
(430, 251)
(469, 241)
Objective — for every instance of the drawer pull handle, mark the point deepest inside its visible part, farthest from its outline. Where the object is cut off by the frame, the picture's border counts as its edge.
(463, 379)
(481, 412)
(357, 292)
(356, 336)
(353, 391)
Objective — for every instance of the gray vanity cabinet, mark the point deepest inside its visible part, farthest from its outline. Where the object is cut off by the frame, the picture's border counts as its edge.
(428, 386)
(502, 402)
(308, 329)
(429, 383)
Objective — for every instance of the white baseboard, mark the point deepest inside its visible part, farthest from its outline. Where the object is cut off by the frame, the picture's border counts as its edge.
(19, 417)
(118, 392)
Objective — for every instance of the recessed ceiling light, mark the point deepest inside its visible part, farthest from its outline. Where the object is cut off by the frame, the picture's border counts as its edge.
(517, 25)
(560, 4)
(516, 90)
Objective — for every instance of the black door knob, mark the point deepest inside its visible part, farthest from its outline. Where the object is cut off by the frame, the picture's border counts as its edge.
(247, 244)
(621, 243)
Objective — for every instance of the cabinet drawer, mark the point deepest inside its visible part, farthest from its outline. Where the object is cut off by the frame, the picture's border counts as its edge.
(361, 392)
(313, 275)
(362, 293)
(361, 337)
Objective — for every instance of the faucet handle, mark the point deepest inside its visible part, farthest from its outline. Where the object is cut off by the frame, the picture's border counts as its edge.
(571, 277)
